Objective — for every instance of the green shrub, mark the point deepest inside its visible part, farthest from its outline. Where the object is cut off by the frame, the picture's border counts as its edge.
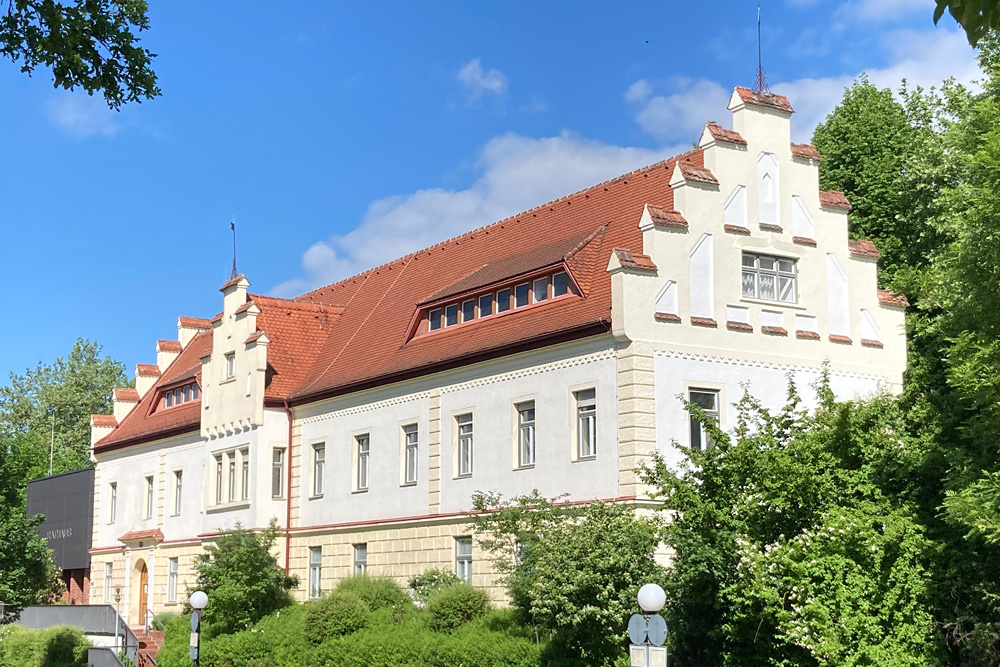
(454, 606)
(161, 620)
(339, 613)
(430, 581)
(58, 646)
(377, 592)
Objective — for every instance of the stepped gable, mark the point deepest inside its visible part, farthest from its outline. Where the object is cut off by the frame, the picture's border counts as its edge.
(141, 422)
(369, 343)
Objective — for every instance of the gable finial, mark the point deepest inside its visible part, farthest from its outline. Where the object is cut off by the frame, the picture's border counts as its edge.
(760, 83)
(232, 226)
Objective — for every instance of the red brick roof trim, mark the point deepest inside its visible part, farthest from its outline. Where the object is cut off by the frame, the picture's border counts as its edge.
(147, 370)
(168, 346)
(704, 322)
(150, 534)
(244, 308)
(254, 337)
(887, 298)
(802, 240)
(774, 331)
(779, 102)
(736, 229)
(868, 342)
(666, 217)
(806, 151)
(812, 335)
(863, 248)
(125, 395)
(103, 421)
(232, 281)
(739, 326)
(769, 227)
(634, 261)
(720, 133)
(217, 318)
(697, 174)
(843, 340)
(194, 323)
(667, 317)
(834, 199)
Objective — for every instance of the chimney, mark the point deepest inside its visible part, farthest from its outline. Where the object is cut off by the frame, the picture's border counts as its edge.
(166, 352)
(124, 399)
(100, 426)
(146, 376)
(188, 327)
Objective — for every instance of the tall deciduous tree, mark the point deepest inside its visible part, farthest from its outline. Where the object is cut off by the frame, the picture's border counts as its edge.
(978, 17)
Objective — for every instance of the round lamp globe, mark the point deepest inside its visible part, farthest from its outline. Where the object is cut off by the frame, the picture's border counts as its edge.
(199, 600)
(651, 598)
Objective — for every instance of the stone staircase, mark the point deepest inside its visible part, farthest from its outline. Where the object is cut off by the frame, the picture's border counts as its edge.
(149, 645)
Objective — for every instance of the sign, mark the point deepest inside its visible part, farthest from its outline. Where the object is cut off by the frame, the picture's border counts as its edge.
(67, 501)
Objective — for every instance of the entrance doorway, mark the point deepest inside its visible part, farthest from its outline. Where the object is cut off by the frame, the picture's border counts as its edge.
(143, 592)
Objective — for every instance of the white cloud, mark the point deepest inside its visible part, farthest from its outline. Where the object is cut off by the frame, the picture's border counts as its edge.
(81, 115)
(479, 81)
(515, 173)
(680, 113)
(871, 12)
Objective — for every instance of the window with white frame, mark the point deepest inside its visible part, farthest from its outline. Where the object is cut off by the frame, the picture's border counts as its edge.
(230, 365)
(410, 444)
(708, 401)
(109, 571)
(463, 558)
(540, 289)
(363, 446)
(112, 501)
(232, 476)
(178, 488)
(244, 474)
(360, 558)
(522, 295)
(148, 510)
(318, 468)
(768, 277)
(315, 572)
(503, 300)
(525, 434)
(231, 479)
(468, 310)
(464, 427)
(172, 569)
(278, 472)
(560, 284)
(218, 479)
(586, 423)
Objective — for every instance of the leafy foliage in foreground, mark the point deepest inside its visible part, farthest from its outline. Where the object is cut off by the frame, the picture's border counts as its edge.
(58, 646)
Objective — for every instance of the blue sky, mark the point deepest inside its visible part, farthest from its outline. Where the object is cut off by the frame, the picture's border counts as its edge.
(342, 135)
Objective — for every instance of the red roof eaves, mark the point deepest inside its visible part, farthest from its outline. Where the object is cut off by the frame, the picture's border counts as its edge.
(147, 370)
(666, 217)
(636, 262)
(168, 346)
(779, 102)
(720, 133)
(834, 199)
(887, 298)
(863, 248)
(194, 323)
(125, 395)
(806, 151)
(232, 281)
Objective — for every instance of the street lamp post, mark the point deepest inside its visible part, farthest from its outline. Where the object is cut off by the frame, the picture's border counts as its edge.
(199, 600)
(648, 631)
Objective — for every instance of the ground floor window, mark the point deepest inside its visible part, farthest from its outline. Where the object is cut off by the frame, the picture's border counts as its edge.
(463, 558)
(315, 572)
(360, 558)
(172, 580)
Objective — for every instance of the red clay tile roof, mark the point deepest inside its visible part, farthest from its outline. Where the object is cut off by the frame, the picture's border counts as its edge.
(666, 217)
(103, 421)
(232, 281)
(697, 174)
(868, 342)
(720, 133)
(635, 261)
(807, 151)
(194, 323)
(125, 395)
(803, 240)
(736, 229)
(774, 331)
(149, 534)
(838, 338)
(807, 334)
(887, 298)
(834, 198)
(739, 326)
(168, 346)
(147, 370)
(864, 248)
(704, 322)
(779, 102)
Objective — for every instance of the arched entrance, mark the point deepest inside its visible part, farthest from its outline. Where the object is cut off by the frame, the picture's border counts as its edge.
(140, 592)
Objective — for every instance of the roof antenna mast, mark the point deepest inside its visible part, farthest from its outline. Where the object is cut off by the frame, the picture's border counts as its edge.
(760, 83)
(232, 226)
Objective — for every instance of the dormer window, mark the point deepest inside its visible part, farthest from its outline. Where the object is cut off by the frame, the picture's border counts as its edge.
(560, 284)
(486, 305)
(434, 319)
(171, 398)
(521, 295)
(468, 310)
(451, 315)
(503, 300)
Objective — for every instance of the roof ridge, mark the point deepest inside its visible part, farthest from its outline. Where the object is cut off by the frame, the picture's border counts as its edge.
(661, 163)
(294, 303)
(585, 242)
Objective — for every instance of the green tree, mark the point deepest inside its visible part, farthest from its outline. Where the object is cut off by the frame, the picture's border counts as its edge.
(242, 579)
(573, 573)
(978, 17)
(93, 44)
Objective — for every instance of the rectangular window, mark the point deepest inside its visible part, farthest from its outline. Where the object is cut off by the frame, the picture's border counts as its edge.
(277, 472)
(410, 436)
(468, 310)
(178, 484)
(319, 467)
(169, 399)
(525, 434)
(540, 289)
(767, 277)
(586, 423)
(245, 474)
(109, 570)
(451, 315)
(218, 479)
(560, 283)
(486, 305)
(463, 558)
(187, 393)
(315, 572)
(464, 423)
(360, 558)
(195, 392)
(113, 502)
(230, 365)
(232, 477)
(434, 320)
(172, 580)
(707, 400)
(364, 449)
(503, 300)
(148, 514)
(522, 293)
